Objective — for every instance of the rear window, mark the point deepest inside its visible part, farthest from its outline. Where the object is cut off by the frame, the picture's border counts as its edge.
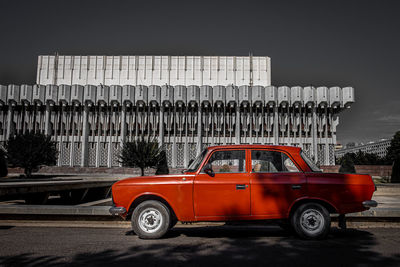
(271, 161)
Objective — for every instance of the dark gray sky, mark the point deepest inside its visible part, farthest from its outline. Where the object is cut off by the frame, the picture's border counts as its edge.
(343, 43)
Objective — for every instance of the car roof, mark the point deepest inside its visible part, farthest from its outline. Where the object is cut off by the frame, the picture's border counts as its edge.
(294, 149)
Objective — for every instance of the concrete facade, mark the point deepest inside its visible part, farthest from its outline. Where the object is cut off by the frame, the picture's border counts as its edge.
(90, 118)
(154, 70)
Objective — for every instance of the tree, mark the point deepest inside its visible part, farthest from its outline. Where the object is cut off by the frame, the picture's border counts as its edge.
(3, 163)
(394, 150)
(347, 164)
(140, 154)
(363, 158)
(396, 170)
(30, 150)
(162, 165)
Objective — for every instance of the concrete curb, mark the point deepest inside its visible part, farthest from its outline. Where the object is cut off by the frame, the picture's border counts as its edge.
(378, 212)
(55, 210)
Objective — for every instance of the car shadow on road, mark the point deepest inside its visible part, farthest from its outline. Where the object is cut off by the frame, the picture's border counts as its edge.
(229, 231)
(228, 246)
(6, 227)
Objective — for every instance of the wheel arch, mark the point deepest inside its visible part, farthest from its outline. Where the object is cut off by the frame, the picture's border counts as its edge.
(329, 206)
(145, 197)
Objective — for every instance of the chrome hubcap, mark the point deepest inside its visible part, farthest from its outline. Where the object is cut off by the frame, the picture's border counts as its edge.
(312, 221)
(150, 220)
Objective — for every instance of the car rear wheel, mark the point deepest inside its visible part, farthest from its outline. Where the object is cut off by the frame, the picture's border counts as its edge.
(151, 219)
(311, 221)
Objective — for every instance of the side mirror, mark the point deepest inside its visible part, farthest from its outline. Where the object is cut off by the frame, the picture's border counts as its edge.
(208, 170)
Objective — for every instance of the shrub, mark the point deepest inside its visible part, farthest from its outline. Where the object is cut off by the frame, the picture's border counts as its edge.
(3, 164)
(347, 164)
(140, 154)
(30, 150)
(396, 171)
(394, 150)
(363, 158)
(162, 165)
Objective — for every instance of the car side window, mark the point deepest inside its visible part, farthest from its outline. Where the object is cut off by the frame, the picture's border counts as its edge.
(271, 161)
(228, 161)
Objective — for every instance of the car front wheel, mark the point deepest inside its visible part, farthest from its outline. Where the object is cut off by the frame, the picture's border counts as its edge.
(151, 219)
(311, 221)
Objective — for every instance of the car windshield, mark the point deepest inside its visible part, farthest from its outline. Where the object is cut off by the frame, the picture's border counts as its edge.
(310, 163)
(197, 161)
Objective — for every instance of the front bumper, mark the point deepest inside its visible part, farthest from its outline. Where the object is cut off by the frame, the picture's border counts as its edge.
(370, 204)
(117, 210)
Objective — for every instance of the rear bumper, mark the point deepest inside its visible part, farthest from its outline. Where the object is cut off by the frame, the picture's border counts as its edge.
(117, 210)
(370, 204)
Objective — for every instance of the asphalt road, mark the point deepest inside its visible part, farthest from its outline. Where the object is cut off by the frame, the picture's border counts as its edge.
(196, 246)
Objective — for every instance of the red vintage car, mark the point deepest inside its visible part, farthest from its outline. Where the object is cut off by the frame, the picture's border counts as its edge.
(243, 182)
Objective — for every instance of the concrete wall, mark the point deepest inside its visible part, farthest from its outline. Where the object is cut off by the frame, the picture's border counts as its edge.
(373, 170)
(154, 70)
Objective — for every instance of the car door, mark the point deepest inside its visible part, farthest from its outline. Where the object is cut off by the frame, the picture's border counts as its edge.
(276, 182)
(227, 193)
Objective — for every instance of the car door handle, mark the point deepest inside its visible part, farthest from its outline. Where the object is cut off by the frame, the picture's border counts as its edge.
(241, 187)
(296, 186)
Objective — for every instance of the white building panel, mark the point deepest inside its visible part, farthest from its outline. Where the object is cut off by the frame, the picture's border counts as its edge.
(3, 94)
(96, 71)
(154, 94)
(112, 70)
(296, 95)
(64, 67)
(92, 70)
(230, 74)
(81, 71)
(193, 94)
(124, 73)
(64, 93)
(26, 93)
(38, 94)
(322, 96)
(77, 92)
(128, 95)
(157, 77)
(258, 94)
(271, 95)
(46, 74)
(283, 96)
(174, 71)
(309, 96)
(348, 96)
(335, 96)
(197, 72)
